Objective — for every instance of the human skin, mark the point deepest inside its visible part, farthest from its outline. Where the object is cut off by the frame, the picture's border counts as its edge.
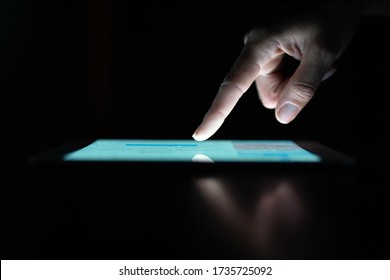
(316, 37)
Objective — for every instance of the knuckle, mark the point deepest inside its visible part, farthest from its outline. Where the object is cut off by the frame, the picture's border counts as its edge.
(303, 91)
(256, 34)
(326, 53)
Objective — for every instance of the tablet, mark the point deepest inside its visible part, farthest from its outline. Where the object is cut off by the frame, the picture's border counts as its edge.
(195, 153)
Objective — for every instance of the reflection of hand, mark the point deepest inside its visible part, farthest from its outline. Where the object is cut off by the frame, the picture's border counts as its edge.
(316, 38)
(277, 220)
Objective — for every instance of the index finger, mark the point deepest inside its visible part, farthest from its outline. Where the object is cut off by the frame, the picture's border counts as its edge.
(243, 73)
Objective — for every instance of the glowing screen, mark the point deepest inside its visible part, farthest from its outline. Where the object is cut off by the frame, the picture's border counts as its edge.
(192, 151)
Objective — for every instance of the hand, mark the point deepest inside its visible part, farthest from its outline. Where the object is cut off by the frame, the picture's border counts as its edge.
(316, 38)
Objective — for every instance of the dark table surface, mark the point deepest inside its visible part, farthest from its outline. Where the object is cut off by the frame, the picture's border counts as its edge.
(118, 213)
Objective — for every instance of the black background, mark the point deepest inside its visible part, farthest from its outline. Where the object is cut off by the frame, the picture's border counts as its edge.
(121, 69)
(72, 69)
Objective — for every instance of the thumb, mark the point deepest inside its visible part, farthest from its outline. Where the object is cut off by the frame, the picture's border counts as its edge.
(300, 88)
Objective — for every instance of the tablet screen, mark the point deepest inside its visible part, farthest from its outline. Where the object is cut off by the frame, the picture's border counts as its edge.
(192, 151)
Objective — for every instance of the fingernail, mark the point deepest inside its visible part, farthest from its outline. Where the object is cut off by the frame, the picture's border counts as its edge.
(195, 134)
(287, 113)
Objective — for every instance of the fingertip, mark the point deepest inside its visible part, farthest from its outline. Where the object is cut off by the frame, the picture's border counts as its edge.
(198, 136)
